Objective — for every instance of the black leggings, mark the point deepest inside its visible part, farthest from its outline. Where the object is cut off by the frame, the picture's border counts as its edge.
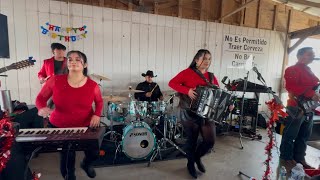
(68, 159)
(193, 126)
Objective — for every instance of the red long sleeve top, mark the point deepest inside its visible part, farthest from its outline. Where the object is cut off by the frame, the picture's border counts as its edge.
(299, 80)
(188, 79)
(47, 68)
(73, 106)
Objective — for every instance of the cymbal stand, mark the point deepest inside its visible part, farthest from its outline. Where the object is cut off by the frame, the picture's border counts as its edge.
(175, 121)
(162, 144)
(113, 134)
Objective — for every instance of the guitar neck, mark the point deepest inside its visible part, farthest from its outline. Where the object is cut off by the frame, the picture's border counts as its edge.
(4, 69)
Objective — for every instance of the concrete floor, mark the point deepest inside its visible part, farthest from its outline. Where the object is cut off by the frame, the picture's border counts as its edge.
(223, 164)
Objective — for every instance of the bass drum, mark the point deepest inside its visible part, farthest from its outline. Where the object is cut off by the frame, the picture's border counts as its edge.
(138, 141)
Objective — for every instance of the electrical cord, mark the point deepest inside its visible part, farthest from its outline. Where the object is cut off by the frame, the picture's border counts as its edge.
(32, 155)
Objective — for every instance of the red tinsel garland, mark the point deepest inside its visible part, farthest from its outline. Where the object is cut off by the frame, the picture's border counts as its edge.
(276, 110)
(7, 137)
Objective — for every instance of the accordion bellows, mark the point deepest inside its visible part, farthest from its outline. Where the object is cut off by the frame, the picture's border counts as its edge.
(211, 103)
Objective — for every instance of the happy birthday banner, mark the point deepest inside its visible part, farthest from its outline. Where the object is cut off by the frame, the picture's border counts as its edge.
(57, 32)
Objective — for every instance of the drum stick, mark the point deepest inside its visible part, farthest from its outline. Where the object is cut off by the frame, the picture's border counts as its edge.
(154, 88)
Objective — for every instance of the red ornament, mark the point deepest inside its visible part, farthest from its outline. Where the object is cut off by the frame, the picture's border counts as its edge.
(6, 133)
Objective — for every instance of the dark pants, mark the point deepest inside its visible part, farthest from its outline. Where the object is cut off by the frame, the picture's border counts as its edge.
(68, 160)
(193, 126)
(16, 165)
(296, 133)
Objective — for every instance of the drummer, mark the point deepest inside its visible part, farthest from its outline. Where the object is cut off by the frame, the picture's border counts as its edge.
(151, 89)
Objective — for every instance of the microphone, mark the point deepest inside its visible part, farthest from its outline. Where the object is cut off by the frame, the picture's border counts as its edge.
(260, 78)
(224, 80)
(316, 58)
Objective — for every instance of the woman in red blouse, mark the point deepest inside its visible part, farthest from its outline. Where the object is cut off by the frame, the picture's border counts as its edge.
(73, 95)
(185, 83)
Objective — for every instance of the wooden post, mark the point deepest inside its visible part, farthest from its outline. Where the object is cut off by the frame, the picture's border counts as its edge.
(275, 17)
(156, 9)
(285, 54)
(237, 10)
(258, 14)
(180, 8)
(202, 9)
(242, 18)
(101, 3)
(130, 6)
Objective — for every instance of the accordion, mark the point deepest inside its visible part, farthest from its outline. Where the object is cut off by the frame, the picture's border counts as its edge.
(211, 103)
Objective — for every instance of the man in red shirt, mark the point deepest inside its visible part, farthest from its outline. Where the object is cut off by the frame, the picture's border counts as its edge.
(299, 82)
(54, 65)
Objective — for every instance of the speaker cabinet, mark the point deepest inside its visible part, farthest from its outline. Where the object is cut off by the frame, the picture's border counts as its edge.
(4, 38)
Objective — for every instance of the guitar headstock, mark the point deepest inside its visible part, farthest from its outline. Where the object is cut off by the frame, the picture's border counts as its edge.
(22, 64)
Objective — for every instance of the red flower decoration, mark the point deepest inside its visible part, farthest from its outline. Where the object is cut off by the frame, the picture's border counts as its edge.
(6, 133)
(276, 110)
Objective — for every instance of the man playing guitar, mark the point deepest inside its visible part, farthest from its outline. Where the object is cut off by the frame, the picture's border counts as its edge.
(300, 83)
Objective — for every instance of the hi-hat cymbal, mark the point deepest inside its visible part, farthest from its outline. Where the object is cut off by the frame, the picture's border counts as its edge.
(112, 98)
(100, 77)
(169, 93)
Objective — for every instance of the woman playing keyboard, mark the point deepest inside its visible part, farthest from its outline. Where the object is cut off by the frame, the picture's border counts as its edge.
(73, 95)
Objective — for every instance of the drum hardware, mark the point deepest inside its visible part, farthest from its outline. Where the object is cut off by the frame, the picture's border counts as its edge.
(112, 109)
(162, 144)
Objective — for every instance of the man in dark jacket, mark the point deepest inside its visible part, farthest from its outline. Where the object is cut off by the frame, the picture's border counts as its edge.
(151, 89)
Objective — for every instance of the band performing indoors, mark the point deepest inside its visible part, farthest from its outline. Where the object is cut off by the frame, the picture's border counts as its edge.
(162, 90)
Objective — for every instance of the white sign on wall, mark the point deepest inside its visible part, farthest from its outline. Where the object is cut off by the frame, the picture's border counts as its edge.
(236, 49)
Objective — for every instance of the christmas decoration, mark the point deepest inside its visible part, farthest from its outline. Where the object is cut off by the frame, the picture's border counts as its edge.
(6, 140)
(276, 110)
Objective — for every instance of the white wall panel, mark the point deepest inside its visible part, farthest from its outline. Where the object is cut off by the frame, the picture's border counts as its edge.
(122, 44)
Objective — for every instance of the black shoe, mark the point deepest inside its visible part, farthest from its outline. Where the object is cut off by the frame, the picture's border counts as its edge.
(91, 173)
(200, 166)
(192, 170)
(70, 178)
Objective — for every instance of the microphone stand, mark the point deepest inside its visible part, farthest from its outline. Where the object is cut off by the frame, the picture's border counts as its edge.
(242, 107)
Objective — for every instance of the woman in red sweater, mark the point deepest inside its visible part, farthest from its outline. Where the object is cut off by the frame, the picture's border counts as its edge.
(73, 95)
(185, 83)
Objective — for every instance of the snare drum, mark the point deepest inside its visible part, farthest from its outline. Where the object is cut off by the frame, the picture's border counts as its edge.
(138, 141)
(158, 107)
(138, 107)
(117, 112)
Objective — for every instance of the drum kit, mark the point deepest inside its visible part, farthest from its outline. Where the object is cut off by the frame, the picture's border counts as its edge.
(146, 128)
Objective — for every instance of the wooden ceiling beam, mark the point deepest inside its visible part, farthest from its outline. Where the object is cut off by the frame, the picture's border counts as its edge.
(237, 10)
(306, 3)
(312, 31)
(167, 5)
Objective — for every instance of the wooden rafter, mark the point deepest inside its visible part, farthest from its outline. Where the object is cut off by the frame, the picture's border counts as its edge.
(312, 31)
(306, 3)
(167, 5)
(303, 34)
(237, 10)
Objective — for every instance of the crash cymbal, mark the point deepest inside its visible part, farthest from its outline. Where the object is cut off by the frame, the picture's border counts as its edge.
(128, 91)
(112, 98)
(99, 77)
(169, 93)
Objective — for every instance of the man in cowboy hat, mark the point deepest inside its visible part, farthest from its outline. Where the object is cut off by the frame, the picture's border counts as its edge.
(151, 89)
